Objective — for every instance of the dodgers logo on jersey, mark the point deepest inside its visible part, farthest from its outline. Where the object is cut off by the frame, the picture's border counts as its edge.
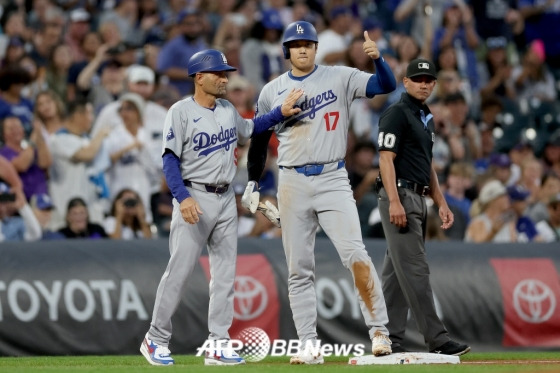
(170, 135)
(312, 105)
(210, 143)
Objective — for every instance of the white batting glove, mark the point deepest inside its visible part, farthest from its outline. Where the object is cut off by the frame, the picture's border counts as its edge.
(251, 197)
(271, 212)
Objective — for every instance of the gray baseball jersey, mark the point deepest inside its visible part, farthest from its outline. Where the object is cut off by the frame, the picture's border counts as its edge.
(319, 133)
(201, 137)
(205, 140)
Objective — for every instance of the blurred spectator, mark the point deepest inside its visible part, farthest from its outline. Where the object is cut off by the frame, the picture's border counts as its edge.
(542, 18)
(416, 11)
(460, 130)
(490, 107)
(50, 111)
(174, 55)
(48, 36)
(30, 158)
(497, 18)
(89, 46)
(9, 174)
(449, 82)
(57, 69)
(13, 27)
(42, 208)
(531, 176)
(78, 224)
(458, 31)
(549, 187)
(127, 219)
(151, 21)
(37, 76)
(132, 164)
(261, 55)
(495, 70)
(362, 175)
(336, 37)
(434, 232)
(110, 34)
(549, 229)
(551, 153)
(533, 79)
(17, 221)
(459, 180)
(496, 222)
(125, 16)
(73, 153)
(499, 166)
(78, 27)
(106, 87)
(526, 230)
(14, 52)
(141, 81)
(12, 103)
(519, 153)
(240, 93)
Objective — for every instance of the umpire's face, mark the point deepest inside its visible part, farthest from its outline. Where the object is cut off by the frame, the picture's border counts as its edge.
(420, 87)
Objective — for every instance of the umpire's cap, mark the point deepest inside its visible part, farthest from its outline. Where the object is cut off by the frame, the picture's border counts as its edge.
(299, 30)
(207, 61)
(419, 67)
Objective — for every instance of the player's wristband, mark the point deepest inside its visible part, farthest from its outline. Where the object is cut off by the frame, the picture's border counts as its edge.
(268, 120)
(172, 172)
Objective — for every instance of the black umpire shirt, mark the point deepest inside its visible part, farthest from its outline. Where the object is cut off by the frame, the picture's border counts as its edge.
(403, 131)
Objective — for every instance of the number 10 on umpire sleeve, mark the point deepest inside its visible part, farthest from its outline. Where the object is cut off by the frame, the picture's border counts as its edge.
(334, 115)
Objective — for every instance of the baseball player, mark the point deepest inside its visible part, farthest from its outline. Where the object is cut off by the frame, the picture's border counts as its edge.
(313, 186)
(406, 138)
(199, 162)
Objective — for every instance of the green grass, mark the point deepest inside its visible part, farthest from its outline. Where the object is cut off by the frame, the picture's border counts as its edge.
(472, 362)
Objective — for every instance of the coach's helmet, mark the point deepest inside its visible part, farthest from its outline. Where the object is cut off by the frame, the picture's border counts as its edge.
(208, 60)
(299, 30)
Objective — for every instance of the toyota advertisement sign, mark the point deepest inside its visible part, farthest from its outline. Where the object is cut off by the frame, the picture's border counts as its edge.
(71, 297)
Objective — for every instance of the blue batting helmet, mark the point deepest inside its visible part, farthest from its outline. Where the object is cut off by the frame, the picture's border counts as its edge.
(208, 60)
(299, 30)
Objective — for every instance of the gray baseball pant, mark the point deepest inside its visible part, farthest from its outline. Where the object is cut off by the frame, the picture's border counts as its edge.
(217, 228)
(406, 274)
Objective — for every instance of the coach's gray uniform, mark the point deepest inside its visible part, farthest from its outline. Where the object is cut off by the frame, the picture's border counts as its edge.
(317, 137)
(205, 140)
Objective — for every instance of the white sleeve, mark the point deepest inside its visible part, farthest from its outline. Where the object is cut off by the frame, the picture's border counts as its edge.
(33, 231)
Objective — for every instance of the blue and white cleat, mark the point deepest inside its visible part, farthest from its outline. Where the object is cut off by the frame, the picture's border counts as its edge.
(226, 356)
(156, 354)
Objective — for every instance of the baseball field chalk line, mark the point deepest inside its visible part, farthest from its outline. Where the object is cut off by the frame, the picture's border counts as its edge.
(405, 358)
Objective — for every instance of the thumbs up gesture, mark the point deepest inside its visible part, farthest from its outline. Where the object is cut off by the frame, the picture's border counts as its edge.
(370, 48)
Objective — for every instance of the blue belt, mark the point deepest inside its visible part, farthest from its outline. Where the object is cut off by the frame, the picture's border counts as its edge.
(209, 188)
(312, 169)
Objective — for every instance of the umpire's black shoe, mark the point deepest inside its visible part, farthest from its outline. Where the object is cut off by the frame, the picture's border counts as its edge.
(398, 348)
(451, 348)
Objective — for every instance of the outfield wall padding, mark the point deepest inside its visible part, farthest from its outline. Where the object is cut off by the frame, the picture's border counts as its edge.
(77, 297)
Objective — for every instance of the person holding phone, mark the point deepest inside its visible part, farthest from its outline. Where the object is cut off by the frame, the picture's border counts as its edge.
(128, 217)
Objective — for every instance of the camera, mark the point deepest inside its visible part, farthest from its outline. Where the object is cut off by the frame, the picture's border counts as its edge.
(130, 202)
(7, 197)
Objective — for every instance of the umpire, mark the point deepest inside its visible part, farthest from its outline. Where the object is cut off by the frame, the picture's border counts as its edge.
(406, 137)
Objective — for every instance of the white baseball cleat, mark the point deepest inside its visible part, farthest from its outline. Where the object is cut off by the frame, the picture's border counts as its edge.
(223, 356)
(380, 344)
(309, 355)
(156, 354)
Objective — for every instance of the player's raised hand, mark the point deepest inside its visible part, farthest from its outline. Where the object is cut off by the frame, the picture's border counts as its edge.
(370, 47)
(288, 108)
(190, 210)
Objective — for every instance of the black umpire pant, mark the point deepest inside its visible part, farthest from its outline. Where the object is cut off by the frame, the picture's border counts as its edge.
(406, 275)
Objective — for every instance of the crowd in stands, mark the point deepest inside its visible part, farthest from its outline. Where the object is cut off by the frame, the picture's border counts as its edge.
(85, 86)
